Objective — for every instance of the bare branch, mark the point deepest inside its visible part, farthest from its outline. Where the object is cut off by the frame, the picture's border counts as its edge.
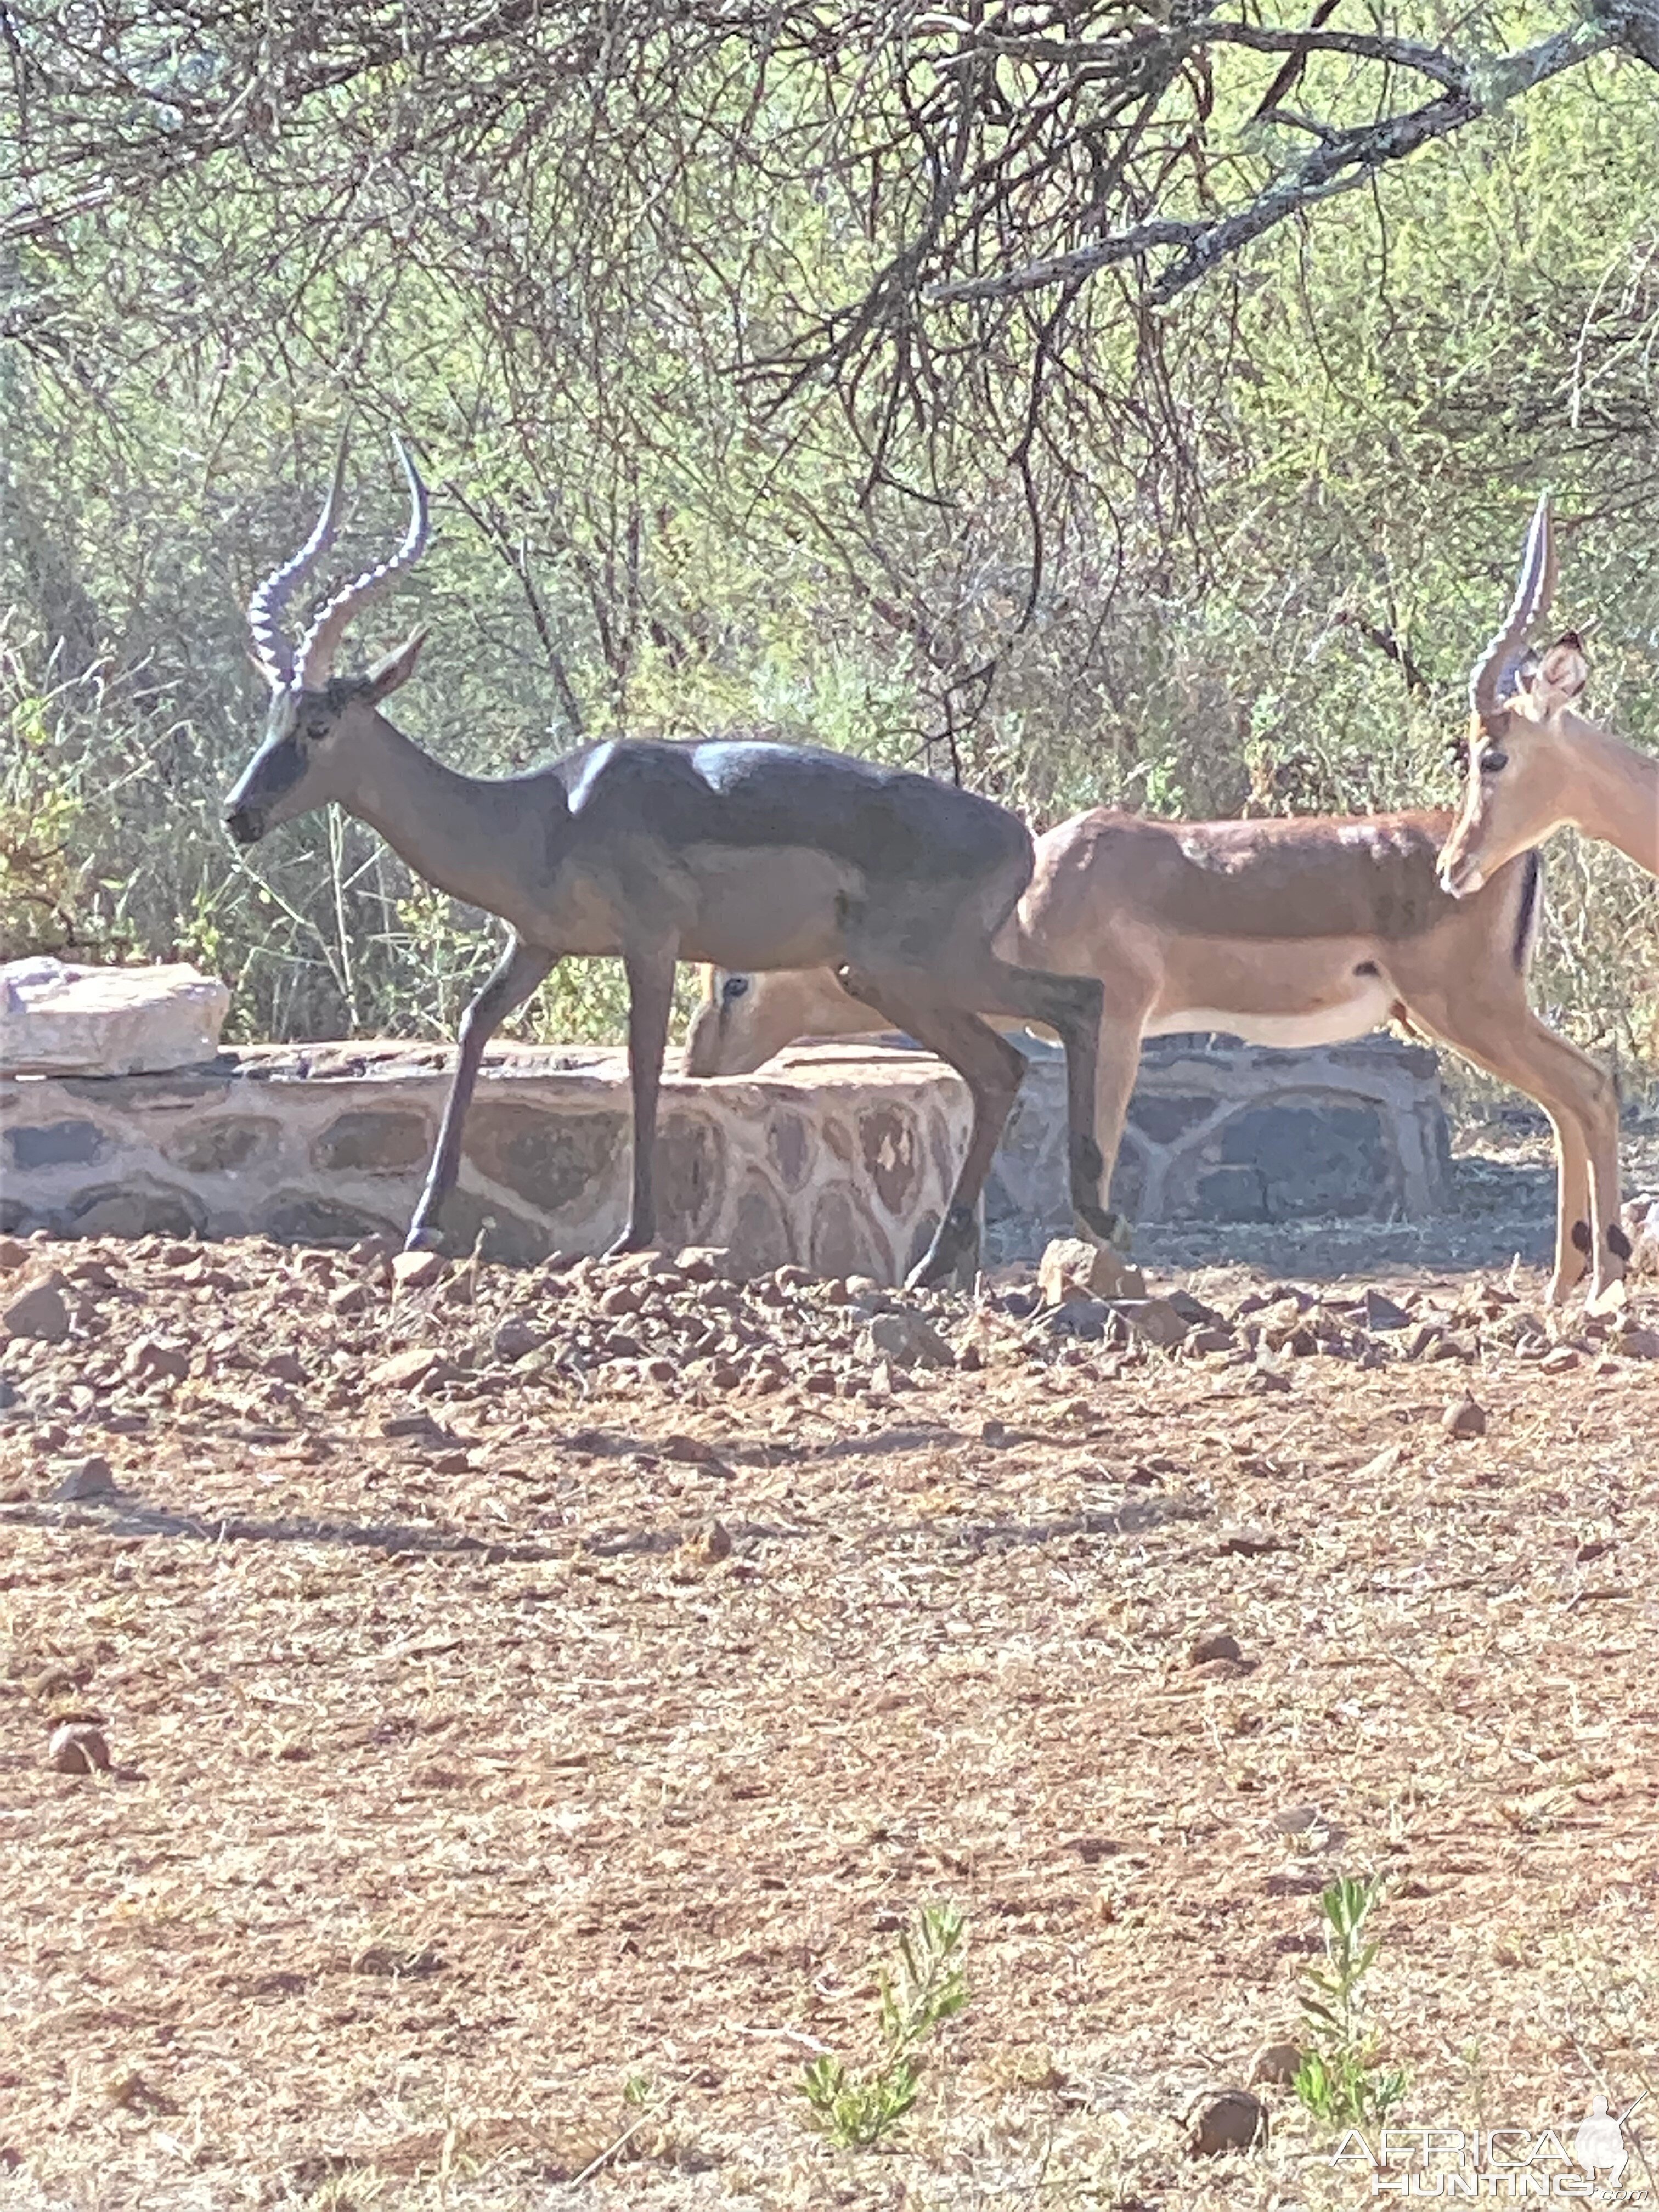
(1348, 159)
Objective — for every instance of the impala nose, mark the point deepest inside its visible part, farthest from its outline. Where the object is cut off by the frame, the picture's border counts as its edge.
(243, 824)
(1459, 879)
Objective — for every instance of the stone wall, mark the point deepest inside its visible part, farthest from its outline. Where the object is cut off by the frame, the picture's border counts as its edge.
(837, 1156)
(843, 1169)
(1219, 1131)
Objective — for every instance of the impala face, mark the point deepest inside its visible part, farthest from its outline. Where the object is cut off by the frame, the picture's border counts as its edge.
(741, 1021)
(1520, 770)
(724, 1038)
(290, 773)
(305, 758)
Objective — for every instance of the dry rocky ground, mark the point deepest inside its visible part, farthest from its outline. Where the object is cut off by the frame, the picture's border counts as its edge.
(534, 1702)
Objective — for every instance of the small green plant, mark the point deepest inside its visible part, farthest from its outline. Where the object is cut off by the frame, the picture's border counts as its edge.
(1339, 2080)
(926, 1985)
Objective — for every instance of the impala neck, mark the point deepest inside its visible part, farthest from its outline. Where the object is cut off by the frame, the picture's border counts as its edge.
(1615, 794)
(460, 832)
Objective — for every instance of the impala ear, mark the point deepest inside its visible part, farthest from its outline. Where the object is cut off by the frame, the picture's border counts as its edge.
(1559, 677)
(384, 678)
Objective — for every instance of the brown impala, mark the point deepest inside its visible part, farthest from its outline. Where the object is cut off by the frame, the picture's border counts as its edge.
(1310, 930)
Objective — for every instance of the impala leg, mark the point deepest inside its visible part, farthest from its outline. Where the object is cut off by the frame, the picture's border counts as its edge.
(650, 1000)
(1579, 1098)
(520, 970)
(1583, 1106)
(1600, 1246)
(1117, 1064)
(1074, 1007)
(993, 1070)
(1572, 1210)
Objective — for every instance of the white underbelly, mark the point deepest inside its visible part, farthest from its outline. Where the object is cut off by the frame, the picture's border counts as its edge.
(1356, 1015)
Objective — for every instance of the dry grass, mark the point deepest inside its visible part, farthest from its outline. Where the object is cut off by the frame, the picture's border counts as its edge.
(428, 1873)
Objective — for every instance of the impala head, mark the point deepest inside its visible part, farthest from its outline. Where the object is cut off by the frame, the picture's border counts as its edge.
(742, 1020)
(317, 721)
(1522, 730)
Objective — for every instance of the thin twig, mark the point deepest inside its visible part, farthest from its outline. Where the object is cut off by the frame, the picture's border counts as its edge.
(624, 2138)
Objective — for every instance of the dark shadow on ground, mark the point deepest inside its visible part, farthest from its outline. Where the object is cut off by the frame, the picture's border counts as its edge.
(1501, 1210)
(1136, 1516)
(122, 1515)
(918, 1435)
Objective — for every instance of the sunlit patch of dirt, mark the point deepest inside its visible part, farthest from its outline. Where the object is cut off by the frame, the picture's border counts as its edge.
(522, 1755)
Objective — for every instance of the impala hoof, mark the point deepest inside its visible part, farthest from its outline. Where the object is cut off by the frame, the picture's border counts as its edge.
(1105, 1228)
(929, 1274)
(953, 1253)
(424, 1240)
(628, 1242)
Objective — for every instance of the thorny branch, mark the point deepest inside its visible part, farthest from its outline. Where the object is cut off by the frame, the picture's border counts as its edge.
(965, 139)
(956, 229)
(964, 158)
(1344, 159)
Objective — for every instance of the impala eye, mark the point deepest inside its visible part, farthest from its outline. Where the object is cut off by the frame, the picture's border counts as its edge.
(1492, 764)
(734, 987)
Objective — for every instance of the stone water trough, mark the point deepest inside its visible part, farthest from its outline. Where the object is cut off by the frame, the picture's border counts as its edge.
(1223, 1132)
(837, 1156)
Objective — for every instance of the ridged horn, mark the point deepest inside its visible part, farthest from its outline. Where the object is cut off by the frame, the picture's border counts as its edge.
(314, 662)
(266, 608)
(1532, 598)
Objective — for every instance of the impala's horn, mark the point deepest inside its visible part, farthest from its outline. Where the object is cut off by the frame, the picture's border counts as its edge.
(266, 608)
(1489, 683)
(314, 662)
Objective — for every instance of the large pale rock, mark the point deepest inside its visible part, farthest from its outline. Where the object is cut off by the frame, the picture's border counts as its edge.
(1072, 1269)
(56, 1019)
